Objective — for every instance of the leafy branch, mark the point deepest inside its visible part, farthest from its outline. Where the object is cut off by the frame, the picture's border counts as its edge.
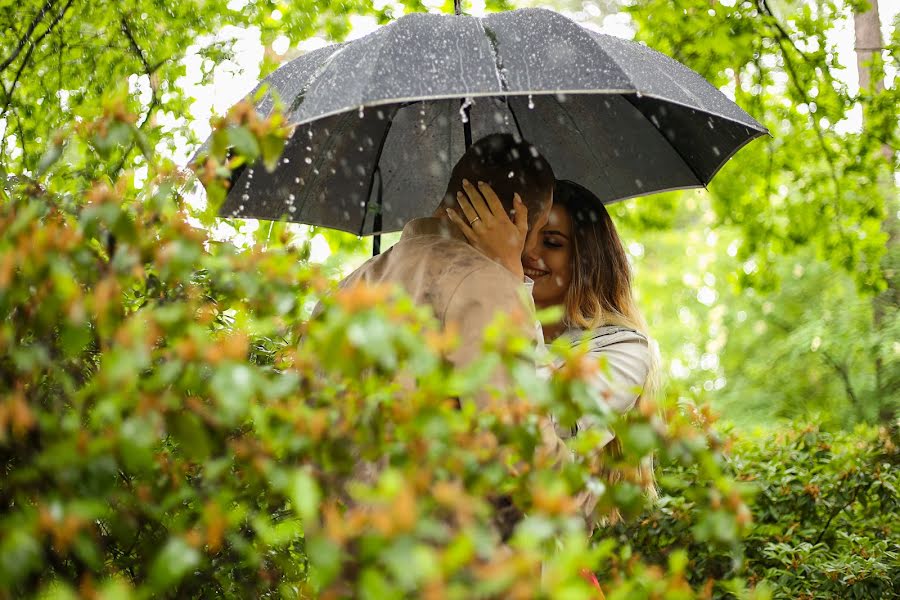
(24, 40)
(781, 37)
(25, 61)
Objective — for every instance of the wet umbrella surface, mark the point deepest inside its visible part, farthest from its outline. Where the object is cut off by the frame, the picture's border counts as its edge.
(380, 120)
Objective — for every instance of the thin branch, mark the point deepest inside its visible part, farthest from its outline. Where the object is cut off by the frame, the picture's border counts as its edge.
(844, 507)
(134, 45)
(844, 374)
(34, 44)
(795, 80)
(24, 40)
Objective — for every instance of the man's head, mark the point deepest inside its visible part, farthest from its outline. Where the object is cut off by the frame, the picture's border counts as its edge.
(511, 166)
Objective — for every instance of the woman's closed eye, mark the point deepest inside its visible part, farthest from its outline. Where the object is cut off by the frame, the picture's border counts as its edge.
(553, 243)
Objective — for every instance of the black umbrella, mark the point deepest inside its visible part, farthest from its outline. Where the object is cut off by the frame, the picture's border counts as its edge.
(382, 120)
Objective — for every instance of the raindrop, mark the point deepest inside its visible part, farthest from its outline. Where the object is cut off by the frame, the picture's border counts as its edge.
(510, 175)
(498, 117)
(639, 95)
(309, 148)
(654, 120)
(560, 97)
(292, 208)
(307, 160)
(710, 123)
(296, 180)
(715, 150)
(286, 160)
(534, 151)
(245, 197)
(467, 102)
(530, 101)
(379, 114)
(639, 184)
(291, 197)
(362, 111)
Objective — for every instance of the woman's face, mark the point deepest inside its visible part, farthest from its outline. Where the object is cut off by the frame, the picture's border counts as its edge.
(549, 261)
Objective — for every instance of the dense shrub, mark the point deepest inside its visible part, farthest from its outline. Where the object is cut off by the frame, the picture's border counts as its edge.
(824, 514)
(172, 424)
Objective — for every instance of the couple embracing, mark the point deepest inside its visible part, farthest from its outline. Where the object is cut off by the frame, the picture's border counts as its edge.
(508, 237)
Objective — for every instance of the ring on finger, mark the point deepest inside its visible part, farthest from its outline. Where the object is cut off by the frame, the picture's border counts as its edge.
(472, 222)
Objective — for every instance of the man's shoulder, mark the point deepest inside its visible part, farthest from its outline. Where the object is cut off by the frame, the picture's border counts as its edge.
(461, 260)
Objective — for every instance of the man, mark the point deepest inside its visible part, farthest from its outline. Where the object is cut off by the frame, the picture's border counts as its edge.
(435, 264)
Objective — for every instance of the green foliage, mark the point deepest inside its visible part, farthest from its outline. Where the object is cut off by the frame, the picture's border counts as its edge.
(173, 425)
(823, 517)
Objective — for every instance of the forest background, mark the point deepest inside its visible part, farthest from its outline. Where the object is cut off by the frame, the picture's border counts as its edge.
(772, 295)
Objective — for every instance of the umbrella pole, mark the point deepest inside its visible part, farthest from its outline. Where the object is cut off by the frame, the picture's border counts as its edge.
(377, 223)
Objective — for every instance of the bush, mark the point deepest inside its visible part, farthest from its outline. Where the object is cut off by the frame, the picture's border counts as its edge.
(173, 425)
(824, 516)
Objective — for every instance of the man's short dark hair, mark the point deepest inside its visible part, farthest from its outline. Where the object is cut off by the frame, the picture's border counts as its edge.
(510, 165)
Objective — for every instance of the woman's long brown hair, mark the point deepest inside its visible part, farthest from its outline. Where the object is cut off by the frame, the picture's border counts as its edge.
(601, 290)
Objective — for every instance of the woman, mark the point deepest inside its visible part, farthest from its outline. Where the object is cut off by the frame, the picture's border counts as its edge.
(577, 262)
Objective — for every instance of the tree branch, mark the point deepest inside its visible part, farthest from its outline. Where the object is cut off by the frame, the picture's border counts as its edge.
(844, 374)
(34, 44)
(134, 45)
(795, 80)
(24, 40)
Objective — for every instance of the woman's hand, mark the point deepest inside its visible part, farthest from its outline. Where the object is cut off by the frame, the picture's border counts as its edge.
(488, 227)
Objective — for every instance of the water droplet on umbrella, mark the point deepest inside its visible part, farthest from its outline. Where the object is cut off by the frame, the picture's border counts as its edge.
(380, 115)
(296, 180)
(285, 160)
(560, 97)
(530, 101)
(362, 112)
(245, 197)
(291, 197)
(467, 102)
(307, 160)
(510, 175)
(715, 150)
(639, 183)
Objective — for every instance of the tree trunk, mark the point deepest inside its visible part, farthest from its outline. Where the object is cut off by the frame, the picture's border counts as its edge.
(867, 26)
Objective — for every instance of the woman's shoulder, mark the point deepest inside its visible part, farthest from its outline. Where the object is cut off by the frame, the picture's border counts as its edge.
(609, 335)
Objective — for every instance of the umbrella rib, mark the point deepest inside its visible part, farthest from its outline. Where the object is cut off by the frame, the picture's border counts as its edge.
(630, 98)
(387, 131)
(586, 143)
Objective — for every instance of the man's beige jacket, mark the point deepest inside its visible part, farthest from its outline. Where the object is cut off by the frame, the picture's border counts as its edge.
(434, 263)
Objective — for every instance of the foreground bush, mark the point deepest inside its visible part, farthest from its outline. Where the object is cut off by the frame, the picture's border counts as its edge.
(172, 425)
(824, 516)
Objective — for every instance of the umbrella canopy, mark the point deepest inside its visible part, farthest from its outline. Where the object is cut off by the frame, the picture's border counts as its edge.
(379, 121)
